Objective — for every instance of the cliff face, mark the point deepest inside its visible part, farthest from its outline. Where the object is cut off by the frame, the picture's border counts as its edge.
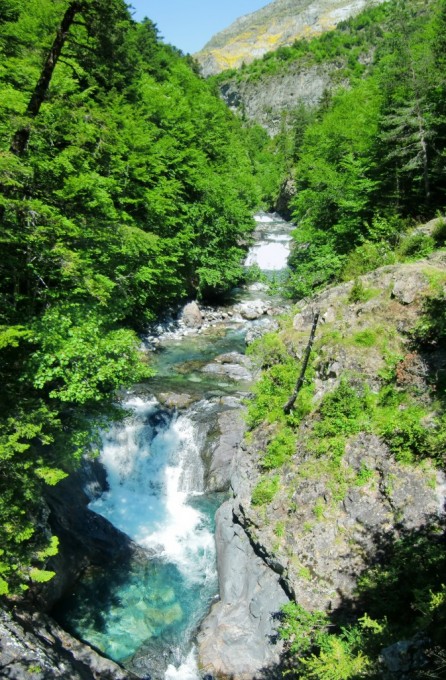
(279, 23)
(266, 101)
(325, 526)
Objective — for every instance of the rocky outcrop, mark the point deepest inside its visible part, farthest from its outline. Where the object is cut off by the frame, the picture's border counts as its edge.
(237, 639)
(267, 100)
(278, 23)
(231, 428)
(34, 646)
(320, 533)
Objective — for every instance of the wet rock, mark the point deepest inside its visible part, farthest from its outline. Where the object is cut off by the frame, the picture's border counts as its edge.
(231, 371)
(252, 310)
(233, 365)
(231, 428)
(256, 331)
(237, 638)
(192, 316)
(174, 400)
(34, 646)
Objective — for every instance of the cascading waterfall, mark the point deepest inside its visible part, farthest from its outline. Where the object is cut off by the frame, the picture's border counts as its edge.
(146, 615)
(150, 485)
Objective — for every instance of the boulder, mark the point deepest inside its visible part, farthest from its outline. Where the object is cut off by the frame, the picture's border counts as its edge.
(191, 315)
(252, 310)
(174, 400)
(407, 288)
(232, 365)
(231, 426)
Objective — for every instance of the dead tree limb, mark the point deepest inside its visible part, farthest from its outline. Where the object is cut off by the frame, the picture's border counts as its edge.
(300, 381)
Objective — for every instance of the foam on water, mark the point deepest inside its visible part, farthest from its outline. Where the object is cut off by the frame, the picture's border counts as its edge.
(151, 477)
(269, 256)
(186, 671)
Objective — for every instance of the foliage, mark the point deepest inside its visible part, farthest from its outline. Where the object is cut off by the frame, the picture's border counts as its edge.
(319, 650)
(369, 160)
(439, 233)
(280, 449)
(431, 327)
(415, 246)
(264, 492)
(135, 190)
(300, 628)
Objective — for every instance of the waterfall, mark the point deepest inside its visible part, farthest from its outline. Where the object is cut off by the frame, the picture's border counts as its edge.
(145, 614)
(152, 472)
(272, 248)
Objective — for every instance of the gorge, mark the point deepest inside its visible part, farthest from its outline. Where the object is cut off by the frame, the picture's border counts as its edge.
(150, 338)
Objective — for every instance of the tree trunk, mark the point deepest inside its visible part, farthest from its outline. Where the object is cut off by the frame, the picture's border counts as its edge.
(21, 138)
(290, 403)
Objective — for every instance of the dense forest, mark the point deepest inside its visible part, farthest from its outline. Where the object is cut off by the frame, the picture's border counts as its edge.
(126, 186)
(369, 161)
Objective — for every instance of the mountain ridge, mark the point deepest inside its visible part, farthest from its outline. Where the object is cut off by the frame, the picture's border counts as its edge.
(277, 24)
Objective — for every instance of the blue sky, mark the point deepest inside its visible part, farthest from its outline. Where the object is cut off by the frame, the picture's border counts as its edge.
(189, 24)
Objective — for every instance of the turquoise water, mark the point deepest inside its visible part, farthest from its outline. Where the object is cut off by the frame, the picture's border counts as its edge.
(145, 613)
(150, 605)
(179, 362)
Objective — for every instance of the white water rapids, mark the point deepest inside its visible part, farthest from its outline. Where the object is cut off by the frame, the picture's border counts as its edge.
(150, 484)
(156, 496)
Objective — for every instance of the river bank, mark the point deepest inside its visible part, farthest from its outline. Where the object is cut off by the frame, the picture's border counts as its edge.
(167, 467)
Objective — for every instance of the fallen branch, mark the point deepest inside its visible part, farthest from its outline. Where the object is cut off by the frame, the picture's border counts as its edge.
(300, 381)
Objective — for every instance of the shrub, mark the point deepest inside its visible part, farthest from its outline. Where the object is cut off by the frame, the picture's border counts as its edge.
(280, 449)
(365, 258)
(439, 232)
(415, 246)
(265, 490)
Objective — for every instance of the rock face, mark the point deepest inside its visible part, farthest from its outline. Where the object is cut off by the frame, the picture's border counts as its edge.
(237, 638)
(279, 23)
(231, 428)
(34, 646)
(330, 530)
(265, 101)
(317, 535)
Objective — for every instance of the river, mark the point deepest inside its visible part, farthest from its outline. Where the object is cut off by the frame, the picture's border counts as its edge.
(146, 617)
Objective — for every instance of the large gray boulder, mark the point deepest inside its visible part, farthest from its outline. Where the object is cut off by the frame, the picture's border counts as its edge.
(231, 428)
(237, 638)
(192, 316)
